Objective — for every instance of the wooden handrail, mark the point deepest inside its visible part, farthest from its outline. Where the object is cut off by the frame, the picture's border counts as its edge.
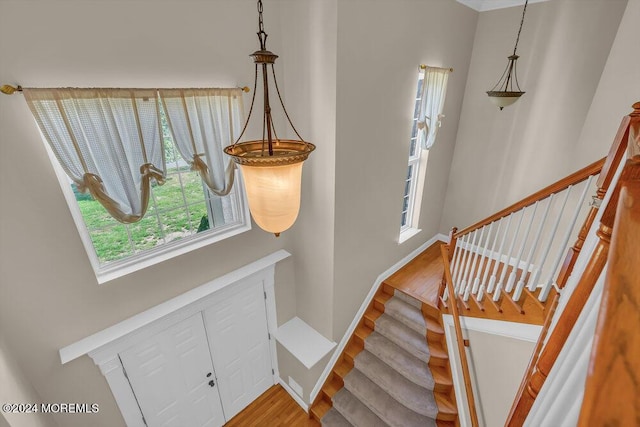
(459, 338)
(575, 178)
(613, 381)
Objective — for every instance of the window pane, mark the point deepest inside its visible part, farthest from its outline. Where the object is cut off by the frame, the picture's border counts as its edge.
(146, 234)
(199, 217)
(176, 224)
(403, 222)
(169, 195)
(409, 172)
(111, 243)
(193, 187)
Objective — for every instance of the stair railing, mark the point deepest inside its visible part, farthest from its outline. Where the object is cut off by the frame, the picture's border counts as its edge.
(628, 137)
(613, 381)
(520, 250)
(461, 342)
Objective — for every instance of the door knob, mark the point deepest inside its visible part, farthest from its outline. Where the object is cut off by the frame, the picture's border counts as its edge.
(211, 383)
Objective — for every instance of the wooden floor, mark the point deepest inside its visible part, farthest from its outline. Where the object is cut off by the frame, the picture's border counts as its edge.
(275, 408)
(421, 277)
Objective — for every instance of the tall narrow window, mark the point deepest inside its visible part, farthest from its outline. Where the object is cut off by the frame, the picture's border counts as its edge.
(427, 114)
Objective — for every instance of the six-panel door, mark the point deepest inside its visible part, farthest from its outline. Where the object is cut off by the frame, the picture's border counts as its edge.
(239, 342)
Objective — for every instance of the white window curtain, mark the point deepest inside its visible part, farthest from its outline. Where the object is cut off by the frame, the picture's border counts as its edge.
(108, 141)
(203, 122)
(434, 90)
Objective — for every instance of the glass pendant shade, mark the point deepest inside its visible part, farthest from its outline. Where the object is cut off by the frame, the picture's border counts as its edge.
(504, 99)
(272, 182)
(274, 195)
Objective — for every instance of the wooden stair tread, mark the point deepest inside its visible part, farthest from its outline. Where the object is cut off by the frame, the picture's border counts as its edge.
(441, 376)
(437, 350)
(434, 326)
(342, 369)
(319, 409)
(362, 332)
(332, 387)
(447, 410)
(372, 314)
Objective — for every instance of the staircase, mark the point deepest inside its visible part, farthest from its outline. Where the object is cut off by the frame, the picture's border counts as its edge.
(394, 371)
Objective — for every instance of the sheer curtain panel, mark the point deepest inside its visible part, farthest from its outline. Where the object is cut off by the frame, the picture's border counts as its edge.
(203, 122)
(108, 141)
(434, 90)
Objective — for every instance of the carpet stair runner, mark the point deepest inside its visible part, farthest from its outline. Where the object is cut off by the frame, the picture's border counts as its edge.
(390, 383)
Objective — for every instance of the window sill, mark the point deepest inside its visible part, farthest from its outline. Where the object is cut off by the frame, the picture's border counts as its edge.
(407, 234)
(118, 269)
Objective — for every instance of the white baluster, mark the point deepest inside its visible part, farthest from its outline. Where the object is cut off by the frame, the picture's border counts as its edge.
(473, 265)
(488, 266)
(498, 256)
(482, 246)
(514, 271)
(459, 265)
(503, 274)
(477, 289)
(467, 271)
(465, 264)
(532, 250)
(533, 279)
(563, 248)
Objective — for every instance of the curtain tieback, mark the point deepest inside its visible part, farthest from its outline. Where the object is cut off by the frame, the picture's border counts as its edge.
(199, 165)
(422, 124)
(150, 171)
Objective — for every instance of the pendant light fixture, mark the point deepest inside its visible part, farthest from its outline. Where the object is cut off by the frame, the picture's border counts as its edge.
(507, 91)
(271, 167)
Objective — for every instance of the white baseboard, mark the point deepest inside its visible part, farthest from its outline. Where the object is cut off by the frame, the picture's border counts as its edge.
(293, 394)
(352, 327)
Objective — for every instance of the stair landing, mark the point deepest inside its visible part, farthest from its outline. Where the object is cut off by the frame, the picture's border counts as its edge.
(421, 277)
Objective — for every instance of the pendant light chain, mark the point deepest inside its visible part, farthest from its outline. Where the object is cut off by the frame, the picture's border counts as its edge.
(520, 30)
(261, 34)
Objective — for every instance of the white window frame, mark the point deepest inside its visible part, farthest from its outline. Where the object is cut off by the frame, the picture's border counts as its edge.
(418, 163)
(119, 268)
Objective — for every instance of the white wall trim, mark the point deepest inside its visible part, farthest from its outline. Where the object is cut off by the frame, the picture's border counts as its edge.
(352, 327)
(167, 308)
(294, 395)
(520, 331)
(485, 5)
(515, 330)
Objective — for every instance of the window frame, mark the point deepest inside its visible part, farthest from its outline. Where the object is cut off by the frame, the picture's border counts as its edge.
(147, 258)
(418, 164)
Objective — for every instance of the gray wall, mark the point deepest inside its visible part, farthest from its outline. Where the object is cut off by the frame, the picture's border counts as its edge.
(502, 156)
(380, 45)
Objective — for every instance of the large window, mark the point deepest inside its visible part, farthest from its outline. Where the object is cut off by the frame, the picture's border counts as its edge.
(182, 215)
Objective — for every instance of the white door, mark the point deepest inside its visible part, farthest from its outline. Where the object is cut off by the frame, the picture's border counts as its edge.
(172, 377)
(239, 342)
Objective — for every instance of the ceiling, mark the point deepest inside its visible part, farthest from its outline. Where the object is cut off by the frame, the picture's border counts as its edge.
(484, 5)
